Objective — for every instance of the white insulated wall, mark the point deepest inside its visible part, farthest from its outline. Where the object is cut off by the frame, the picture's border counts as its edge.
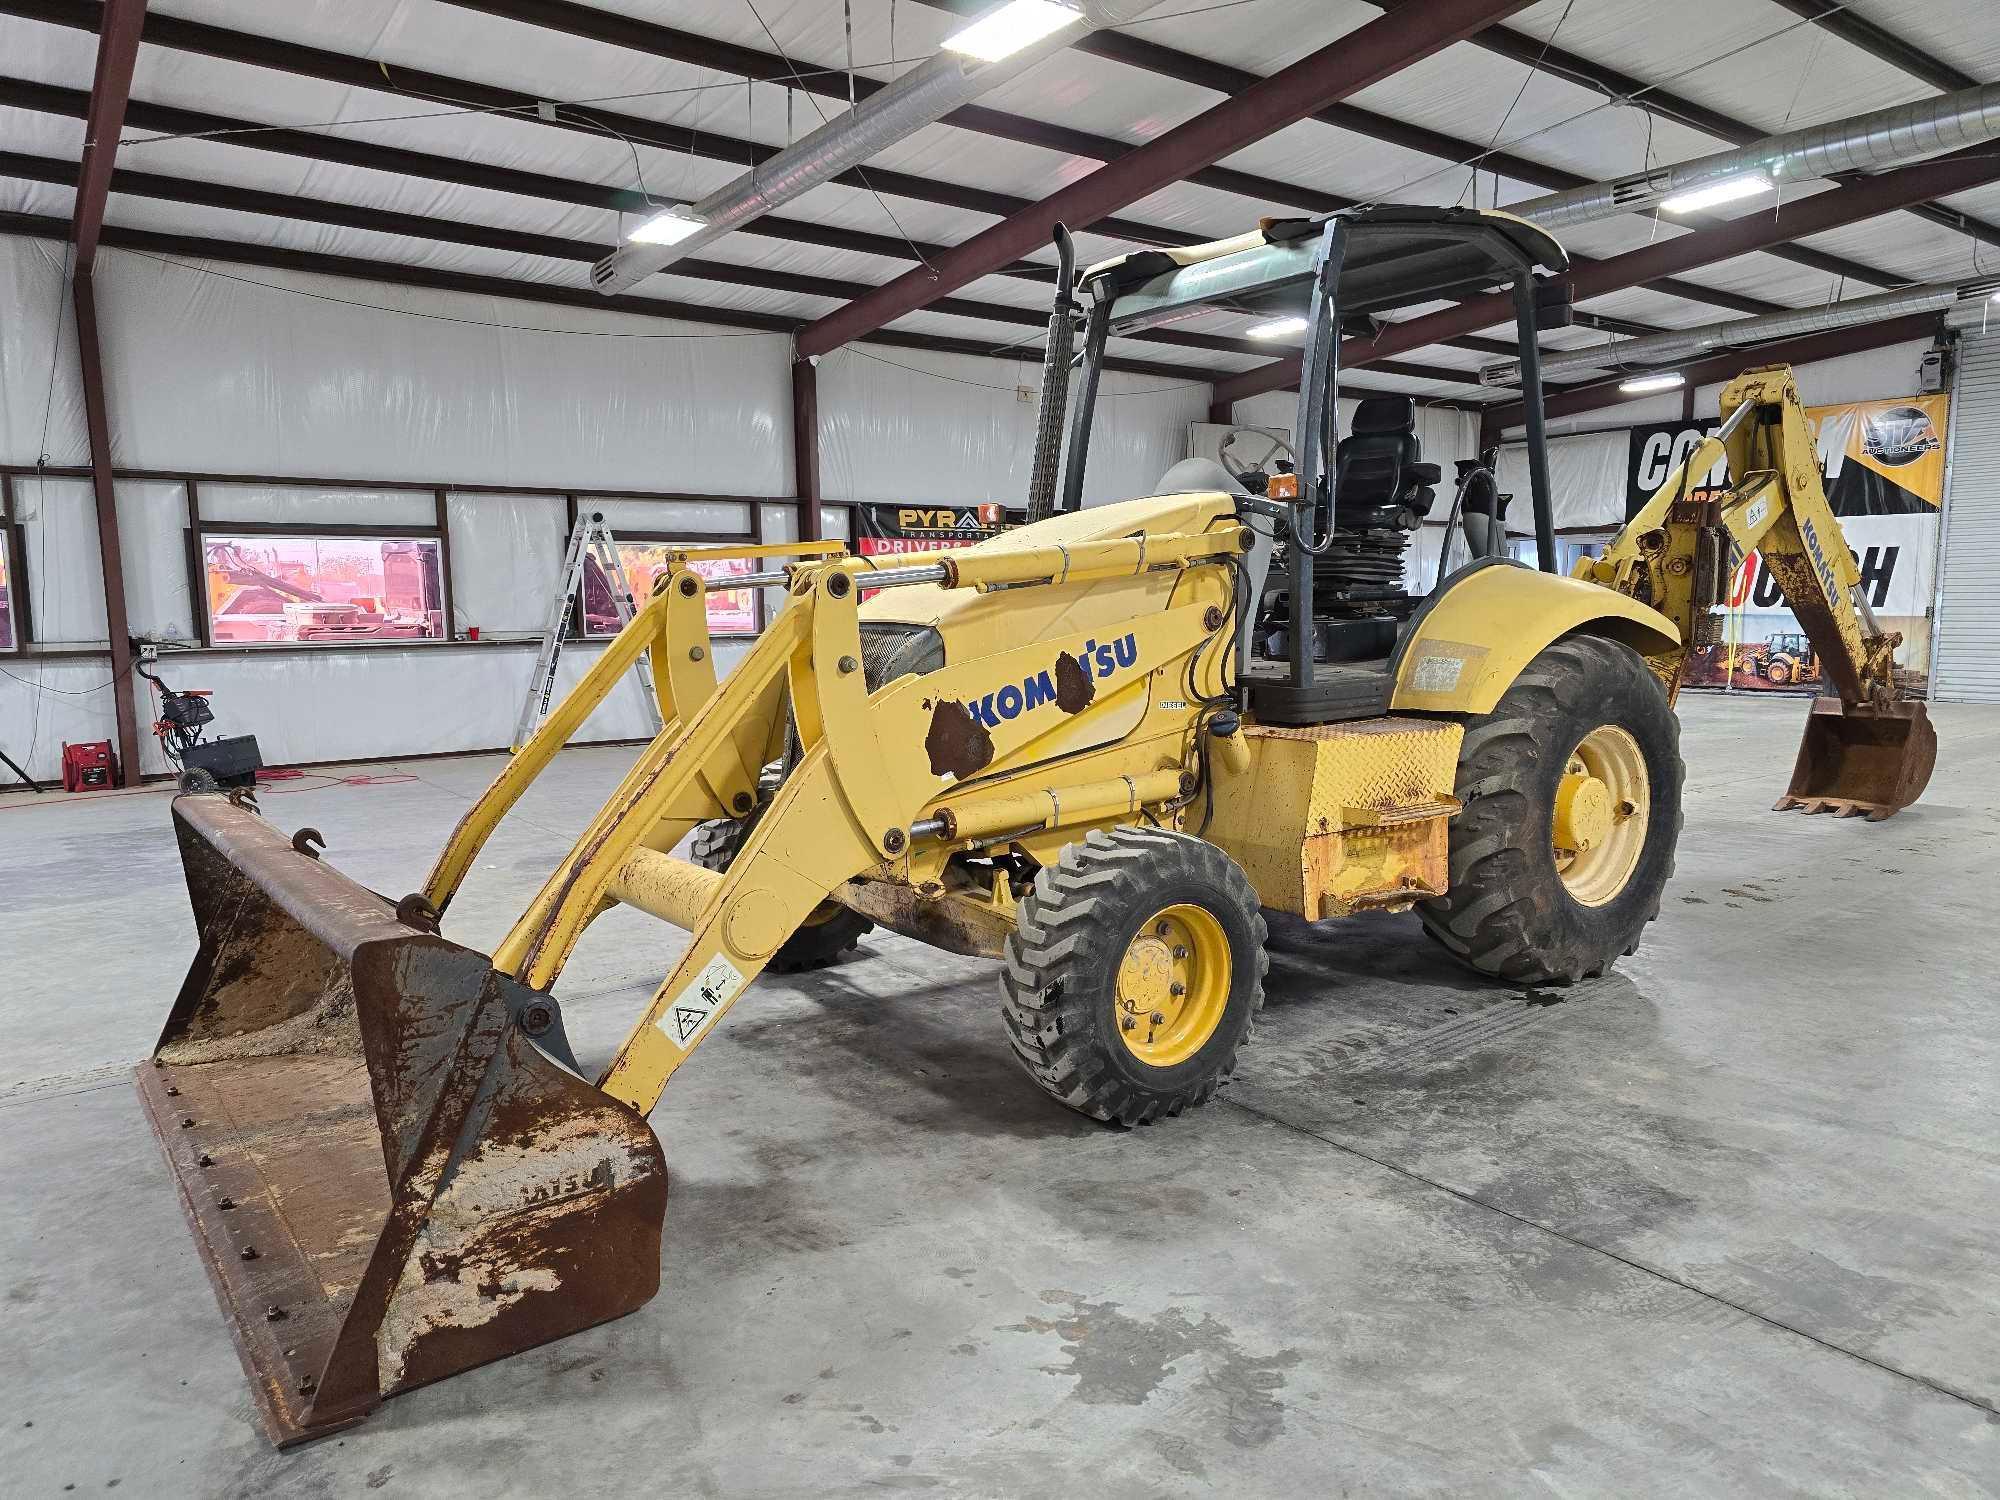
(247, 370)
(899, 424)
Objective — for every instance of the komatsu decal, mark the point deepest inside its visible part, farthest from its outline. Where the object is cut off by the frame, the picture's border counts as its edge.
(1045, 686)
(1828, 579)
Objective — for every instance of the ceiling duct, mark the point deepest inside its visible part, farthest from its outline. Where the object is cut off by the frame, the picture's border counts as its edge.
(923, 96)
(1863, 143)
(1685, 343)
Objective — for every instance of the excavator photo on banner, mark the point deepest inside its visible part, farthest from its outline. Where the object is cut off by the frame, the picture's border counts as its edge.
(395, 1165)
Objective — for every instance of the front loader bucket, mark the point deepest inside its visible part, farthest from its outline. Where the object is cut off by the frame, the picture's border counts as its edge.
(1858, 759)
(389, 1174)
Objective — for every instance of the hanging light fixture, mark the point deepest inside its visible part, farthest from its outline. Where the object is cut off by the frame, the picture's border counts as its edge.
(668, 227)
(1017, 24)
(1639, 385)
(1750, 185)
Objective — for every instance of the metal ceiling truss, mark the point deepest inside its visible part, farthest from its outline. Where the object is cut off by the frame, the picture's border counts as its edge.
(1833, 209)
(1200, 72)
(333, 67)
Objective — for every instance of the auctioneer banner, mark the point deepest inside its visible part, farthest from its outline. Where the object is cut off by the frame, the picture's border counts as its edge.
(1883, 466)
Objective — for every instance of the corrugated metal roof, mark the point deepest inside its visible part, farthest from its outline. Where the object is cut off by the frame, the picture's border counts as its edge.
(1753, 60)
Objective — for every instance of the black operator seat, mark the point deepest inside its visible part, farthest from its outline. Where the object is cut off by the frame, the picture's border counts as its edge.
(1378, 465)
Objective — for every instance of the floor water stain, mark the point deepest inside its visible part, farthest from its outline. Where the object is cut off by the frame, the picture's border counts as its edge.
(1120, 1360)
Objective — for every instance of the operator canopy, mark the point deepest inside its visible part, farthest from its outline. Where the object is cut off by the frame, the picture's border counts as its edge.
(1396, 257)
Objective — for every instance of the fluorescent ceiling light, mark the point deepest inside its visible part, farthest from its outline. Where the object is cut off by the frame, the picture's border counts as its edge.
(668, 227)
(1728, 191)
(1278, 328)
(1639, 385)
(1017, 24)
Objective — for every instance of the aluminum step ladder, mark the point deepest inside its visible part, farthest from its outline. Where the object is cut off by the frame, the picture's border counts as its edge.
(591, 538)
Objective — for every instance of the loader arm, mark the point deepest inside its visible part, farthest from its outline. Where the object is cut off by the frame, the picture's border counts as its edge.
(1865, 751)
(873, 767)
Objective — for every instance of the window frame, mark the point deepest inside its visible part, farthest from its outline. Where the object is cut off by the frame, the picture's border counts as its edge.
(690, 540)
(19, 610)
(201, 530)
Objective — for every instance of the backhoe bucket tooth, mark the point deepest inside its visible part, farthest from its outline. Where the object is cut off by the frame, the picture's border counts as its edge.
(1860, 760)
(388, 1171)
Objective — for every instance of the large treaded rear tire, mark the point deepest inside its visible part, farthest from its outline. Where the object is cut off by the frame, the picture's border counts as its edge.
(834, 932)
(1059, 983)
(1507, 912)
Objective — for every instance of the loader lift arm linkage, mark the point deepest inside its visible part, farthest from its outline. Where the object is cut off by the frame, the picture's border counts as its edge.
(1865, 752)
(854, 803)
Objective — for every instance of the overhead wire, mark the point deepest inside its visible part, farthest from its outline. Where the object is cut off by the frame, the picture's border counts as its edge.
(1617, 101)
(1154, 390)
(529, 110)
(1534, 69)
(880, 202)
(410, 312)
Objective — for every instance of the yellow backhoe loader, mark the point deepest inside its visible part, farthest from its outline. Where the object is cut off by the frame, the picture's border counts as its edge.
(1096, 748)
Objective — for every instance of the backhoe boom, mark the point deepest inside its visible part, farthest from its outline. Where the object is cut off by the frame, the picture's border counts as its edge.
(1865, 751)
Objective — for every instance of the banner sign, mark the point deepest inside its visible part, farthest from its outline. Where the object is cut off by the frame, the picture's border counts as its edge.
(882, 529)
(1882, 463)
(1877, 458)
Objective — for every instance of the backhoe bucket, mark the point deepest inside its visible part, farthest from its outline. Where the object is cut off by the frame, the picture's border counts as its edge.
(1860, 760)
(389, 1173)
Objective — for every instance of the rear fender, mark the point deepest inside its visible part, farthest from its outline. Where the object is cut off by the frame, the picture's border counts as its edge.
(1477, 631)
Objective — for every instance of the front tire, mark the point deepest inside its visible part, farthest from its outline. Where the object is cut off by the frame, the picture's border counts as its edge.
(1572, 808)
(1135, 974)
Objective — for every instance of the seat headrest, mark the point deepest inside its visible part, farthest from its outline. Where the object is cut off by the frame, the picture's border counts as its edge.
(1380, 414)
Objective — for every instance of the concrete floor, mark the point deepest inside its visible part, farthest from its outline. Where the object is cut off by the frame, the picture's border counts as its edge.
(1722, 1222)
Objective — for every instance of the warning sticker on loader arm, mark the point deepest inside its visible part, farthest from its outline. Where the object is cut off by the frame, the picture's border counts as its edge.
(688, 1016)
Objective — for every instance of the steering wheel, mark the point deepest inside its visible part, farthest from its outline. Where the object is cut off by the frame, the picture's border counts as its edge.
(1254, 475)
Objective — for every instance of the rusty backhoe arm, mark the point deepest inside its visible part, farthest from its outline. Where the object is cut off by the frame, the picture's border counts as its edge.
(1865, 751)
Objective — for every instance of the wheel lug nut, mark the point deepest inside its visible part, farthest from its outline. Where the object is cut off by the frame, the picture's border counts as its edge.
(1162, 930)
(1179, 952)
(1176, 988)
(1128, 1023)
(1159, 1018)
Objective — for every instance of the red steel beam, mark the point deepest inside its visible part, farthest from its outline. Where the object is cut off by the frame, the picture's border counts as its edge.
(1732, 362)
(110, 88)
(97, 424)
(1974, 167)
(117, 51)
(1364, 56)
(805, 447)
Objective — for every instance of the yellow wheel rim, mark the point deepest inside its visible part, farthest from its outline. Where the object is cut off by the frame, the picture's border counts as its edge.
(1173, 985)
(1602, 806)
